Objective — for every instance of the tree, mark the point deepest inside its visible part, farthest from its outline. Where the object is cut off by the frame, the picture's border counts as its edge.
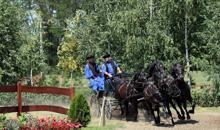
(12, 19)
(210, 36)
(67, 51)
(79, 110)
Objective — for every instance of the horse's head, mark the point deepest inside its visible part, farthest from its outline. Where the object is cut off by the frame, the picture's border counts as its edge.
(140, 77)
(152, 93)
(170, 87)
(177, 71)
(159, 72)
(139, 80)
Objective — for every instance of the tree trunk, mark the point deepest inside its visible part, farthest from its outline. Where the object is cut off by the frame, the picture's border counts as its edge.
(186, 48)
(31, 76)
(151, 9)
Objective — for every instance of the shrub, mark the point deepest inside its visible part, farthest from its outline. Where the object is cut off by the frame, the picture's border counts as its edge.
(2, 120)
(206, 97)
(79, 110)
(11, 124)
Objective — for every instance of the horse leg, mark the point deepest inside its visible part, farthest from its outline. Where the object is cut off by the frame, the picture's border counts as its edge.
(147, 108)
(179, 103)
(153, 114)
(158, 114)
(193, 108)
(126, 109)
(135, 105)
(185, 108)
(122, 110)
(192, 103)
(135, 109)
(170, 113)
(174, 107)
(189, 98)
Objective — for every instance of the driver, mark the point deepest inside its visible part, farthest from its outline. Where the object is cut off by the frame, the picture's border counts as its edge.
(109, 68)
(94, 75)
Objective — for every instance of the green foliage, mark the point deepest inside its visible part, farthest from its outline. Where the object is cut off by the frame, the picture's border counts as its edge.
(11, 124)
(22, 119)
(7, 99)
(79, 110)
(35, 34)
(2, 121)
(11, 22)
(67, 51)
(206, 97)
(130, 33)
(2, 118)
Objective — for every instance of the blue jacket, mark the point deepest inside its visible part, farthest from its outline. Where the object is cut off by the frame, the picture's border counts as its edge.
(96, 82)
(111, 70)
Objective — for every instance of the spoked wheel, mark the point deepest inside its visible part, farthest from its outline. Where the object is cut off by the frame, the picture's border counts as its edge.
(95, 106)
(108, 109)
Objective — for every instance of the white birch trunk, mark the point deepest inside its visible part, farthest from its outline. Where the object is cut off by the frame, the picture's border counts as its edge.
(186, 48)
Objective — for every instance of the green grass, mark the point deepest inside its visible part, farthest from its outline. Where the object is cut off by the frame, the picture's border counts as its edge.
(201, 78)
(208, 109)
(107, 127)
(110, 125)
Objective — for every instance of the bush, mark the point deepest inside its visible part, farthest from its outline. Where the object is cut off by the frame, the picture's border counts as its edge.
(11, 124)
(206, 97)
(2, 120)
(79, 110)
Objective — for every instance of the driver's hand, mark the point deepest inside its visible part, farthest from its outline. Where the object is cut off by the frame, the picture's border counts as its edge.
(109, 75)
(119, 71)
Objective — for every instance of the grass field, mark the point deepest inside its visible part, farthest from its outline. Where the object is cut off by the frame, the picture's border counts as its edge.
(201, 78)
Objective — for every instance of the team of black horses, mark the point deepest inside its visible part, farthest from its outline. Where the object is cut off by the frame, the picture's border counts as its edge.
(155, 88)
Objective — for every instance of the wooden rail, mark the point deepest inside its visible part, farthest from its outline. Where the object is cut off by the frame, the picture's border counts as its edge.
(38, 90)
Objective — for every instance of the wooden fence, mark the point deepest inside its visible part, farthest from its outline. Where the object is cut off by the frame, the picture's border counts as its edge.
(38, 90)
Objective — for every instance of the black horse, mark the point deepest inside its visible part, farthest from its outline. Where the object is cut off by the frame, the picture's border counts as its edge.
(165, 83)
(177, 72)
(151, 97)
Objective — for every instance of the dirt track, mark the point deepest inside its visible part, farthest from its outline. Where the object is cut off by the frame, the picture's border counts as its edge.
(199, 121)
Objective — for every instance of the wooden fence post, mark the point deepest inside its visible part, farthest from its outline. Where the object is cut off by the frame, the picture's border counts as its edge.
(19, 98)
(102, 117)
(72, 92)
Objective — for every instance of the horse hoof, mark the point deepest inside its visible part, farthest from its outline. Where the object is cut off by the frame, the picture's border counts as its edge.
(183, 118)
(173, 123)
(191, 111)
(157, 123)
(188, 118)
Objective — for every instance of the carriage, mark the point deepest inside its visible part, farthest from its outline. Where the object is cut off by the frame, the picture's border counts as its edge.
(111, 102)
(162, 91)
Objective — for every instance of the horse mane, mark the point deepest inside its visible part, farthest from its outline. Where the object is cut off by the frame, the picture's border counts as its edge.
(151, 67)
(175, 68)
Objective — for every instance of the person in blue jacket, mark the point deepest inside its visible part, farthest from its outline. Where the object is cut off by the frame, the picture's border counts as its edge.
(109, 69)
(94, 75)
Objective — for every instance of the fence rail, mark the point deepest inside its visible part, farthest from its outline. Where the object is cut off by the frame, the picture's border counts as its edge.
(38, 90)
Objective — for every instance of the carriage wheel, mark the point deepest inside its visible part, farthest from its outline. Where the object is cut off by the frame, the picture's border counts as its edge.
(108, 109)
(95, 107)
